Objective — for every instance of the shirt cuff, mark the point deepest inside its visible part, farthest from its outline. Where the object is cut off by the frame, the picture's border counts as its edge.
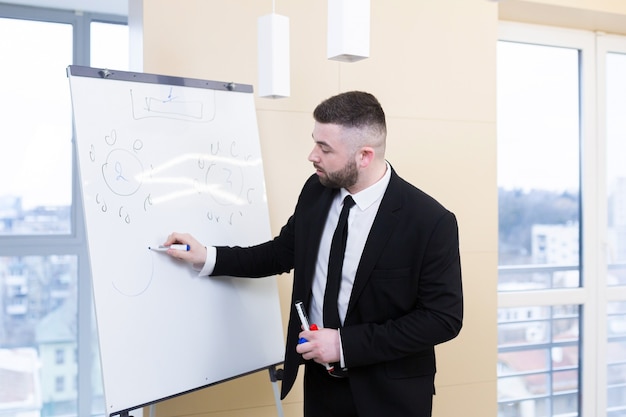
(209, 264)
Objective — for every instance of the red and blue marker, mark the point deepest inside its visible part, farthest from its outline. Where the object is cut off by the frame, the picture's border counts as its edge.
(305, 325)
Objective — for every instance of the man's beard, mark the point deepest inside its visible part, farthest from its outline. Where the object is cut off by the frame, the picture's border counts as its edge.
(346, 177)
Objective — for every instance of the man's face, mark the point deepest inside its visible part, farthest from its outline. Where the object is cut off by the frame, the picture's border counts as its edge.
(332, 158)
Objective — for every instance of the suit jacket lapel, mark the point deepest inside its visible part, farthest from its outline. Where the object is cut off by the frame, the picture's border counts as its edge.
(384, 224)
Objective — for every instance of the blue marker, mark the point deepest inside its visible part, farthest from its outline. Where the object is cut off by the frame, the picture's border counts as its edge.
(312, 327)
(176, 246)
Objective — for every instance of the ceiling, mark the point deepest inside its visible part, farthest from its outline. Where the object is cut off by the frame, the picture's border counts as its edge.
(117, 7)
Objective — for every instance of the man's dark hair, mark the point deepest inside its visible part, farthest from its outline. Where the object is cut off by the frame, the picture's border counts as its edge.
(352, 109)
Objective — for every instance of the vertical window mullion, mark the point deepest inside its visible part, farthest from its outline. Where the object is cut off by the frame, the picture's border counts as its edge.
(81, 39)
(593, 387)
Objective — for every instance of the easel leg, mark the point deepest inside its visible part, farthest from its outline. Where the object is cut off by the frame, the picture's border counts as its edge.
(275, 375)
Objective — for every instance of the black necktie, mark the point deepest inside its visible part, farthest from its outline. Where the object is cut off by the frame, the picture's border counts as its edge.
(335, 265)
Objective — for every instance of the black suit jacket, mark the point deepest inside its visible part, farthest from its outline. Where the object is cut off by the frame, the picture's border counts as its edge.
(407, 294)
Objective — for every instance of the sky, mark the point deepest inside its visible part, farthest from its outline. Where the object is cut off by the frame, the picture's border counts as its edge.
(36, 157)
(538, 133)
(538, 117)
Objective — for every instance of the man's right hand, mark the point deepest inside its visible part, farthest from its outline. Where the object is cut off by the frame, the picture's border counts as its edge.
(196, 255)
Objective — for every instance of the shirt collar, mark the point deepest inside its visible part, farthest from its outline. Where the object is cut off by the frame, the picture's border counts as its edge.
(365, 198)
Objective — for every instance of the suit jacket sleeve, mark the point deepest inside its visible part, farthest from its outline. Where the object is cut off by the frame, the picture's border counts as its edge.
(269, 258)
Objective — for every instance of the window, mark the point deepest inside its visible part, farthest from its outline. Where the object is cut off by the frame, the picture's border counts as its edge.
(60, 356)
(46, 322)
(59, 384)
(561, 141)
(109, 45)
(539, 222)
(612, 97)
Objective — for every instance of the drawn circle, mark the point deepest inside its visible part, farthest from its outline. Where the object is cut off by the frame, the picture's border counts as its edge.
(225, 183)
(122, 172)
(136, 284)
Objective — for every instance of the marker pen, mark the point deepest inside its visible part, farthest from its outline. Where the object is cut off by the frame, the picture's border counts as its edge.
(303, 318)
(176, 246)
(305, 325)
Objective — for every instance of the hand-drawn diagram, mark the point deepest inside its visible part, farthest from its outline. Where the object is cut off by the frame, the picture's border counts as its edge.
(226, 177)
(122, 172)
(136, 181)
(229, 177)
(224, 173)
(226, 182)
(122, 175)
(169, 105)
(138, 284)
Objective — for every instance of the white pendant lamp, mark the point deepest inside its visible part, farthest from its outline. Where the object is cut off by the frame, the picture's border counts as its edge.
(348, 30)
(273, 50)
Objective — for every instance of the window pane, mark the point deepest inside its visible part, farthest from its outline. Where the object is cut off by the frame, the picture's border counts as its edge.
(538, 167)
(538, 358)
(38, 335)
(616, 168)
(539, 227)
(109, 46)
(35, 147)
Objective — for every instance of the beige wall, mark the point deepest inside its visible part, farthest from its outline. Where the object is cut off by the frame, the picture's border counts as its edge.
(432, 65)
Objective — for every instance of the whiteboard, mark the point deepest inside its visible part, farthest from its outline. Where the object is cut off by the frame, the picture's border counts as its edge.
(159, 154)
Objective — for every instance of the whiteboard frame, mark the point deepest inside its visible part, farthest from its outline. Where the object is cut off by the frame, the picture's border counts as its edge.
(140, 77)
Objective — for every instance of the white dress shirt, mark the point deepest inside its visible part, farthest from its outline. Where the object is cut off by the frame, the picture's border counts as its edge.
(360, 222)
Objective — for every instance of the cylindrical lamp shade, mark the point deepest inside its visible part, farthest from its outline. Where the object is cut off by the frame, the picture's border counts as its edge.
(273, 50)
(348, 30)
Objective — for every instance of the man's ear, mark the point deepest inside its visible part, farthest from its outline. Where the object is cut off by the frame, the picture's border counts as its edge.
(365, 156)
